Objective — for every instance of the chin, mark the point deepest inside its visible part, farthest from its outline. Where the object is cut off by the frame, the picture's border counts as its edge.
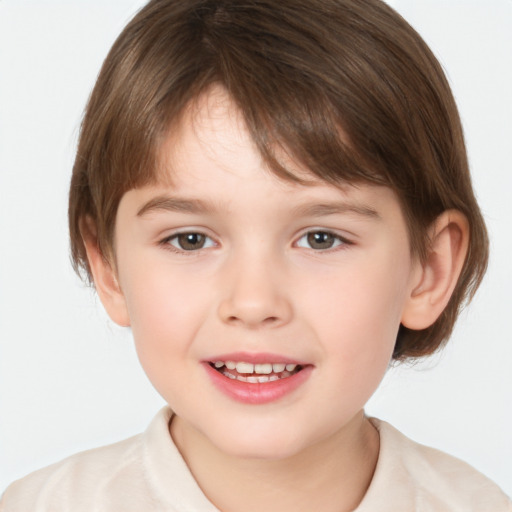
(262, 442)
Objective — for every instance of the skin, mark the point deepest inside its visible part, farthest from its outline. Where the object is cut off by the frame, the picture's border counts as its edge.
(258, 285)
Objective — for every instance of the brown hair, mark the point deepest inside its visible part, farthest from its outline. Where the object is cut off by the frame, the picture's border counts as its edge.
(301, 72)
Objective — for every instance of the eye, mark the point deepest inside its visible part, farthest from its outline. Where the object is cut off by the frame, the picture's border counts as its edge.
(189, 241)
(320, 240)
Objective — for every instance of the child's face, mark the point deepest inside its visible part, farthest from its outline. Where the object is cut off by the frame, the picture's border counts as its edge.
(271, 272)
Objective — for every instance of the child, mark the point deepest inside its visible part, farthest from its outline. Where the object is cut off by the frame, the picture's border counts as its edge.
(275, 197)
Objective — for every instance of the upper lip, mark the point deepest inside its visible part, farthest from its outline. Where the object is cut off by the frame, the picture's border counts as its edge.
(255, 358)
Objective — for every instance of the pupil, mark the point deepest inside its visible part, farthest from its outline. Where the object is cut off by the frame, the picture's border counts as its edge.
(191, 241)
(320, 240)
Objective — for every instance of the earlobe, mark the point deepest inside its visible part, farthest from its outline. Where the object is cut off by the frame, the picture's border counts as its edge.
(104, 276)
(435, 279)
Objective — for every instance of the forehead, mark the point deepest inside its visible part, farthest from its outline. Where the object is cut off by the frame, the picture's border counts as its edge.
(212, 129)
(208, 162)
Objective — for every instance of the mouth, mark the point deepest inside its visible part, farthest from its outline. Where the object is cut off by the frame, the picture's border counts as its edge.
(259, 373)
(257, 379)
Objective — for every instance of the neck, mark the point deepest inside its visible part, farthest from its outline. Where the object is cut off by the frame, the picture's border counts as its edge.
(331, 476)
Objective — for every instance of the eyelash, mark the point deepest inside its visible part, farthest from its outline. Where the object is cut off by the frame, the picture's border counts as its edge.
(339, 241)
(167, 242)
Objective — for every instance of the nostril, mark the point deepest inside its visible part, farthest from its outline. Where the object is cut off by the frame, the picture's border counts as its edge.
(271, 320)
(254, 311)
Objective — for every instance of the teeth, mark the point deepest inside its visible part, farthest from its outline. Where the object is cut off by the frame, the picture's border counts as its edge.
(254, 373)
(255, 379)
(252, 379)
(244, 368)
(263, 368)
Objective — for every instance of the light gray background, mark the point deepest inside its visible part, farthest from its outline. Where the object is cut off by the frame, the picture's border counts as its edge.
(69, 379)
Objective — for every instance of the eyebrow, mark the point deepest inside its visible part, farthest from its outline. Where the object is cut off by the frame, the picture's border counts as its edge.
(173, 204)
(324, 209)
(197, 206)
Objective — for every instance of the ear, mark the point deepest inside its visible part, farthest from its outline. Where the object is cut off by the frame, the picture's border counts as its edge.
(435, 279)
(104, 276)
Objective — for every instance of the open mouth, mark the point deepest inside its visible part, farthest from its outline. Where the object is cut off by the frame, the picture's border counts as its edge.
(256, 373)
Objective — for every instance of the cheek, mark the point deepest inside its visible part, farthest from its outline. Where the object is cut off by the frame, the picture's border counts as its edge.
(358, 305)
(165, 311)
(356, 315)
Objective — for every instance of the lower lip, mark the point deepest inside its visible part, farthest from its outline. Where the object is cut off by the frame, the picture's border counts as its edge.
(257, 393)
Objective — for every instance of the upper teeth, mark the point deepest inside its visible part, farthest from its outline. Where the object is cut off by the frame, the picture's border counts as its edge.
(262, 369)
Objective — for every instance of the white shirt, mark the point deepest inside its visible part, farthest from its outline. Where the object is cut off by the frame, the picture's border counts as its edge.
(146, 473)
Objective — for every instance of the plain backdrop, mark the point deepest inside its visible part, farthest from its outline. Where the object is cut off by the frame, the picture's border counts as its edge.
(69, 378)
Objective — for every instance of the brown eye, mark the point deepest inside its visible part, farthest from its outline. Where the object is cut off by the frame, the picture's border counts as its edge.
(321, 240)
(190, 241)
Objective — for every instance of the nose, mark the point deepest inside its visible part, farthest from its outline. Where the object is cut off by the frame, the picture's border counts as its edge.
(254, 294)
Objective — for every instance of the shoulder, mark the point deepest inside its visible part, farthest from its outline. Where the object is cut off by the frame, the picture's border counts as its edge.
(430, 480)
(76, 477)
(143, 473)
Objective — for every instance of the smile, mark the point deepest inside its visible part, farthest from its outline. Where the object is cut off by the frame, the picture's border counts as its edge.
(257, 379)
(255, 373)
